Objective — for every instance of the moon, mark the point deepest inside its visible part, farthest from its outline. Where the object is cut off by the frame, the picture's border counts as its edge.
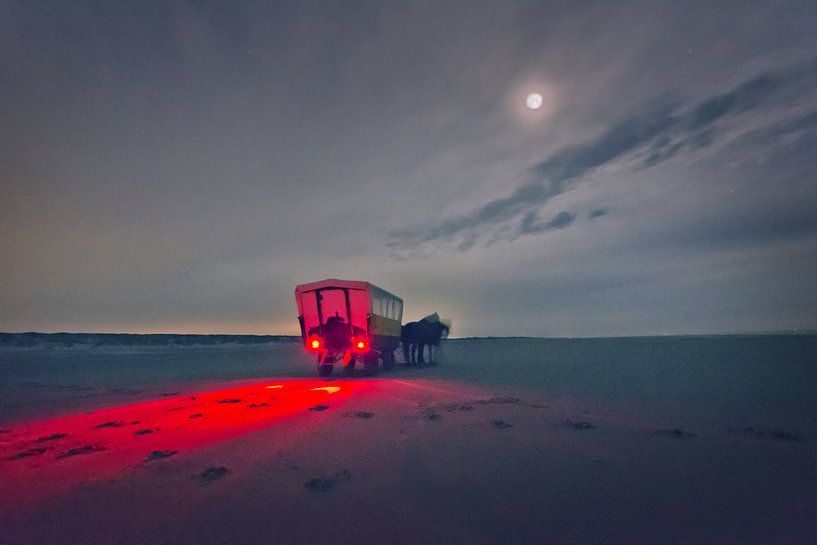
(534, 101)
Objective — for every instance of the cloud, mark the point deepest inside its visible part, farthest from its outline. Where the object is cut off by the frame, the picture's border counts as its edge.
(531, 224)
(467, 226)
(623, 137)
(656, 136)
(745, 97)
(805, 122)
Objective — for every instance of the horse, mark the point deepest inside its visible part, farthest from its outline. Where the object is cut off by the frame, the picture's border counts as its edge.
(416, 335)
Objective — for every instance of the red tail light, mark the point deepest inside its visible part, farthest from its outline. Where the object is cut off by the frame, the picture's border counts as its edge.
(360, 345)
(314, 343)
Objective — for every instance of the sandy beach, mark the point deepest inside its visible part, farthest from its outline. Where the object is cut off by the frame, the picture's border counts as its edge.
(445, 454)
(602, 213)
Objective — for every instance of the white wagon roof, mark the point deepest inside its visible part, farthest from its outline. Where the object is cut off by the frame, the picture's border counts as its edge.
(336, 283)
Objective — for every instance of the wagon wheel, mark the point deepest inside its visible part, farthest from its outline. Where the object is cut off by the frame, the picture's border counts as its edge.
(370, 365)
(349, 368)
(388, 360)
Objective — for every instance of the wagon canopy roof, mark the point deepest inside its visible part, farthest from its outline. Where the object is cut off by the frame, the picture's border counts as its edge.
(336, 283)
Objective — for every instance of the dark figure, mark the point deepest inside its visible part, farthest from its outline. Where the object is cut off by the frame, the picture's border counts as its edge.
(336, 332)
(416, 335)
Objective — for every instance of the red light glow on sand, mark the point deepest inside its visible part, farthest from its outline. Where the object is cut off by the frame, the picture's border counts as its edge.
(41, 458)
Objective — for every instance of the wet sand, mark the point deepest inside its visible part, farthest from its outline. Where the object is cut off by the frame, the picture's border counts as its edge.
(407, 457)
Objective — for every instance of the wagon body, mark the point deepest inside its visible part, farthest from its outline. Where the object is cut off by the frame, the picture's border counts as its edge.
(347, 319)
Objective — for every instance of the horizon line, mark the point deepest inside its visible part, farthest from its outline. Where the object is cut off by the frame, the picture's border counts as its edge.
(795, 331)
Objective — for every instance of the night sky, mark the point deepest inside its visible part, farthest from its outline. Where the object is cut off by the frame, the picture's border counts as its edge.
(181, 166)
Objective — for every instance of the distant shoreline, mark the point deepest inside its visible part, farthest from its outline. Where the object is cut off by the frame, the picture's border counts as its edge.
(31, 339)
(34, 339)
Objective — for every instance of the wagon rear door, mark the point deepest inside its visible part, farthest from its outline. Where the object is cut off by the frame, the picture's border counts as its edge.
(318, 306)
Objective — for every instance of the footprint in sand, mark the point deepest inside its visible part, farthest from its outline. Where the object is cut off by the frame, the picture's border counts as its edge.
(143, 432)
(126, 391)
(327, 484)
(319, 408)
(776, 434)
(87, 449)
(457, 407)
(212, 474)
(229, 401)
(197, 415)
(257, 405)
(160, 454)
(53, 437)
(581, 425)
(361, 414)
(112, 424)
(677, 433)
(28, 453)
(501, 424)
(498, 400)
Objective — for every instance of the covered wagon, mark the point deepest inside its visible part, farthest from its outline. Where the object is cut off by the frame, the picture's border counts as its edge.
(346, 321)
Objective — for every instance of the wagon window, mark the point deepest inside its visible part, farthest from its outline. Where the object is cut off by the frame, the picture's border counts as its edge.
(332, 302)
(360, 307)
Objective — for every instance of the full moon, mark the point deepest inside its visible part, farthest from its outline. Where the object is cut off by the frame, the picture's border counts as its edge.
(534, 101)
